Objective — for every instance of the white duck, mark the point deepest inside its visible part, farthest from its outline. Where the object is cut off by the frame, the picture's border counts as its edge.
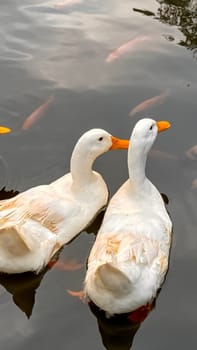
(129, 258)
(36, 223)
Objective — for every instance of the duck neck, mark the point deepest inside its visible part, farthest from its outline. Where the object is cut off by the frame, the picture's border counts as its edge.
(137, 164)
(81, 168)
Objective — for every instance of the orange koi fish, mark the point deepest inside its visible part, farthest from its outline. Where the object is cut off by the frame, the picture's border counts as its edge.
(192, 153)
(37, 114)
(69, 265)
(67, 3)
(153, 101)
(79, 294)
(162, 155)
(194, 184)
(125, 48)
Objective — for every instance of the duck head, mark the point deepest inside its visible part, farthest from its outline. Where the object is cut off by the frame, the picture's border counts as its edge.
(145, 132)
(91, 145)
(142, 138)
(98, 141)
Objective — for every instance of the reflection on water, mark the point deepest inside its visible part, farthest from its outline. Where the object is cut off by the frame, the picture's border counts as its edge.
(118, 332)
(22, 287)
(4, 194)
(179, 13)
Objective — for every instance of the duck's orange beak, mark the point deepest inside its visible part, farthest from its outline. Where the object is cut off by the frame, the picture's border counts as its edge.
(163, 125)
(4, 130)
(118, 143)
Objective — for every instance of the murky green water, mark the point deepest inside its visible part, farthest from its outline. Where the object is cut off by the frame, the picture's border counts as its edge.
(45, 50)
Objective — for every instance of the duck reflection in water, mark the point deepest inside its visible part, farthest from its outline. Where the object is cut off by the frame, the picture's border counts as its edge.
(118, 332)
(22, 287)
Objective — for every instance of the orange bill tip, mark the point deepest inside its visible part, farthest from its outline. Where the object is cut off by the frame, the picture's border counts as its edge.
(4, 130)
(119, 143)
(163, 125)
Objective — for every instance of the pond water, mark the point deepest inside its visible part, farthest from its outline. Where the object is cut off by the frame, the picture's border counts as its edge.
(60, 51)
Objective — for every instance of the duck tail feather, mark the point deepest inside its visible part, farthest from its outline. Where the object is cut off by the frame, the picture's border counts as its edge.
(112, 278)
(14, 241)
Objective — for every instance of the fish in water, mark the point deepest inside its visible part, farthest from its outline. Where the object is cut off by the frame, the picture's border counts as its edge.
(79, 294)
(67, 265)
(125, 48)
(150, 102)
(192, 153)
(194, 184)
(156, 153)
(67, 3)
(37, 114)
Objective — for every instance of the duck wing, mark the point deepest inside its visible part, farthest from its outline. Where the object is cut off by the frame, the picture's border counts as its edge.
(31, 218)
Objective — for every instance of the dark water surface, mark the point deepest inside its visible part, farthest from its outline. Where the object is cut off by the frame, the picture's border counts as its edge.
(48, 51)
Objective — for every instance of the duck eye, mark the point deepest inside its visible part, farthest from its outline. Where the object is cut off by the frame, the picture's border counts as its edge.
(151, 127)
(100, 138)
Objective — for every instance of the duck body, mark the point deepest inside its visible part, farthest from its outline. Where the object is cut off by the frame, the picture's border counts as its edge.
(129, 259)
(35, 224)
